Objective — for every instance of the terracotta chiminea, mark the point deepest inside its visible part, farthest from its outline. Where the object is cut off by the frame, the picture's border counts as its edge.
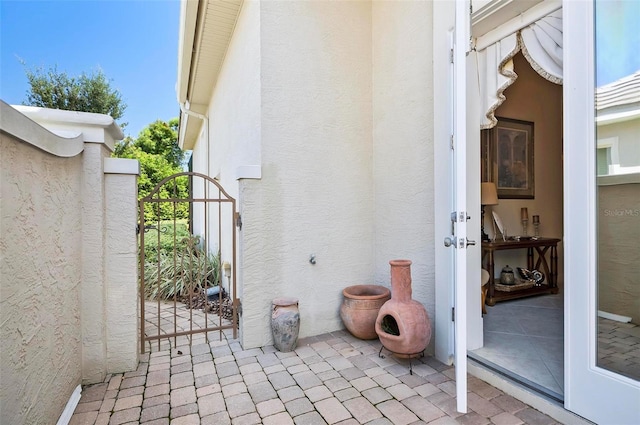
(403, 325)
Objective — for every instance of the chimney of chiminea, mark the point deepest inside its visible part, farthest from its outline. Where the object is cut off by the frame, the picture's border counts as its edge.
(403, 325)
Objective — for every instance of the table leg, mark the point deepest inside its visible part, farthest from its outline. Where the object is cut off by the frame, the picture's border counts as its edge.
(491, 300)
(554, 269)
(530, 258)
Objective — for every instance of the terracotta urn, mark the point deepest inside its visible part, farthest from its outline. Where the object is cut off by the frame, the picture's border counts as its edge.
(360, 307)
(403, 325)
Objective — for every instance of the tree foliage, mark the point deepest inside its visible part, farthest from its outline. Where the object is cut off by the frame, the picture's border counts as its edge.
(157, 150)
(87, 93)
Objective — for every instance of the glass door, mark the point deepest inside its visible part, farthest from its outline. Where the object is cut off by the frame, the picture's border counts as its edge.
(602, 213)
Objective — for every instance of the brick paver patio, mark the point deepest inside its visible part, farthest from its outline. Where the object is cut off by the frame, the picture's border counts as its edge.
(329, 379)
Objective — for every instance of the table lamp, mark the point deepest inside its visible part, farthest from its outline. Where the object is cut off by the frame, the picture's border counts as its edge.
(488, 196)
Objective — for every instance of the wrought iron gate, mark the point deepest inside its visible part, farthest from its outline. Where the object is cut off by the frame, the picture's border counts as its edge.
(187, 237)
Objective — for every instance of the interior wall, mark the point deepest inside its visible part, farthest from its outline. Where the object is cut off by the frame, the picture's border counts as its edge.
(532, 98)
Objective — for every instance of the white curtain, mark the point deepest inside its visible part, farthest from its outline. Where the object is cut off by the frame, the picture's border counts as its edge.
(540, 43)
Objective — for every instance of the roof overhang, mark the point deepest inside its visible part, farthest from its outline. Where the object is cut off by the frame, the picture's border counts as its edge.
(206, 28)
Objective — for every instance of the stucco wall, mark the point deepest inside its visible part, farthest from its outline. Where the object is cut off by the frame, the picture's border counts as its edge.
(233, 130)
(316, 193)
(628, 149)
(532, 98)
(41, 276)
(403, 143)
(68, 260)
(618, 252)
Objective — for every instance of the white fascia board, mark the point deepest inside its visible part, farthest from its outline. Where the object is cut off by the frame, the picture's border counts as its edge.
(188, 20)
(611, 118)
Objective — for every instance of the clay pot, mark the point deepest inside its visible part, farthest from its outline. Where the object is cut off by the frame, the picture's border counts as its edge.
(403, 325)
(360, 307)
(285, 323)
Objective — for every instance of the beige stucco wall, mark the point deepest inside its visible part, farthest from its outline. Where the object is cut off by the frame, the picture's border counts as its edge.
(403, 143)
(532, 98)
(618, 253)
(68, 293)
(41, 278)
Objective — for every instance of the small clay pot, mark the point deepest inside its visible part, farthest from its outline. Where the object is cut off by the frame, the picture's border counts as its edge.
(285, 323)
(360, 307)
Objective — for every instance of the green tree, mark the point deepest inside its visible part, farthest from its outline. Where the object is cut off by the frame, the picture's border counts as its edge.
(157, 150)
(87, 93)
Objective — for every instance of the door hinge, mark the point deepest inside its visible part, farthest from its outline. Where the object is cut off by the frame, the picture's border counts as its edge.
(238, 221)
(453, 314)
(451, 55)
(451, 143)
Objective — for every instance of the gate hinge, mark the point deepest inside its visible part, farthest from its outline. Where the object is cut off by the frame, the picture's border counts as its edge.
(453, 314)
(238, 219)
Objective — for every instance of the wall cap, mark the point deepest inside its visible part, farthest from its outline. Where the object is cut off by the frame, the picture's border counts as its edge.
(249, 172)
(20, 126)
(121, 166)
(95, 128)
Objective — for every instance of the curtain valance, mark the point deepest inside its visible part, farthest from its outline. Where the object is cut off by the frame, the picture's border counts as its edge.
(541, 45)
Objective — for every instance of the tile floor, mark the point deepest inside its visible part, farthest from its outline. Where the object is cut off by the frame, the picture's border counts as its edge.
(329, 379)
(526, 338)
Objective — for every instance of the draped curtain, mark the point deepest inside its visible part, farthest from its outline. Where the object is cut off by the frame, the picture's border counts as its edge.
(541, 45)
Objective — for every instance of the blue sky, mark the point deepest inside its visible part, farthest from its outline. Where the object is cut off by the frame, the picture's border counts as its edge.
(134, 42)
(617, 39)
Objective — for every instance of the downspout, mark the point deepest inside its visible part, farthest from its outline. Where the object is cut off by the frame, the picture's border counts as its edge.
(206, 126)
(205, 119)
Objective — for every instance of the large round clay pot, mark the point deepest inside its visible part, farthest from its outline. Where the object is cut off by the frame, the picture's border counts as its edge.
(360, 308)
(285, 323)
(403, 325)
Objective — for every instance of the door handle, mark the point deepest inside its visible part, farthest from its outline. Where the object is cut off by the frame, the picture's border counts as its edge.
(450, 241)
(470, 243)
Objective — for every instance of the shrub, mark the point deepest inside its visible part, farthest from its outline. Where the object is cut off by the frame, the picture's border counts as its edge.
(191, 270)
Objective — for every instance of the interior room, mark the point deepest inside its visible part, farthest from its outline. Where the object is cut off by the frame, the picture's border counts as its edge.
(523, 334)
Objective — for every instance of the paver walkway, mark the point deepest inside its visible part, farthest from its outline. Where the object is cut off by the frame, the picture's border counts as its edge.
(329, 379)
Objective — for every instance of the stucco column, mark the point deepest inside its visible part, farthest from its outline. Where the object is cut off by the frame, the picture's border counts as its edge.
(121, 265)
(93, 291)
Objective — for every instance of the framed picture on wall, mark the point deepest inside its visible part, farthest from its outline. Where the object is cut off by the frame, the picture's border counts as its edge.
(507, 158)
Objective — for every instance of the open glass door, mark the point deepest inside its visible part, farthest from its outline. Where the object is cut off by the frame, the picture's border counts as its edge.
(597, 389)
(451, 44)
(460, 215)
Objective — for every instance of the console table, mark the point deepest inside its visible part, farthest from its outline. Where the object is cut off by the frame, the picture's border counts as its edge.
(537, 252)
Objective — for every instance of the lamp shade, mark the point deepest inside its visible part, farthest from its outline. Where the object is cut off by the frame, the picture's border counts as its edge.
(488, 193)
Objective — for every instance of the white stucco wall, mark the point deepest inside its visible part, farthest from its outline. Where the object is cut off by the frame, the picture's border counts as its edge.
(628, 138)
(316, 194)
(121, 264)
(40, 282)
(233, 129)
(403, 143)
